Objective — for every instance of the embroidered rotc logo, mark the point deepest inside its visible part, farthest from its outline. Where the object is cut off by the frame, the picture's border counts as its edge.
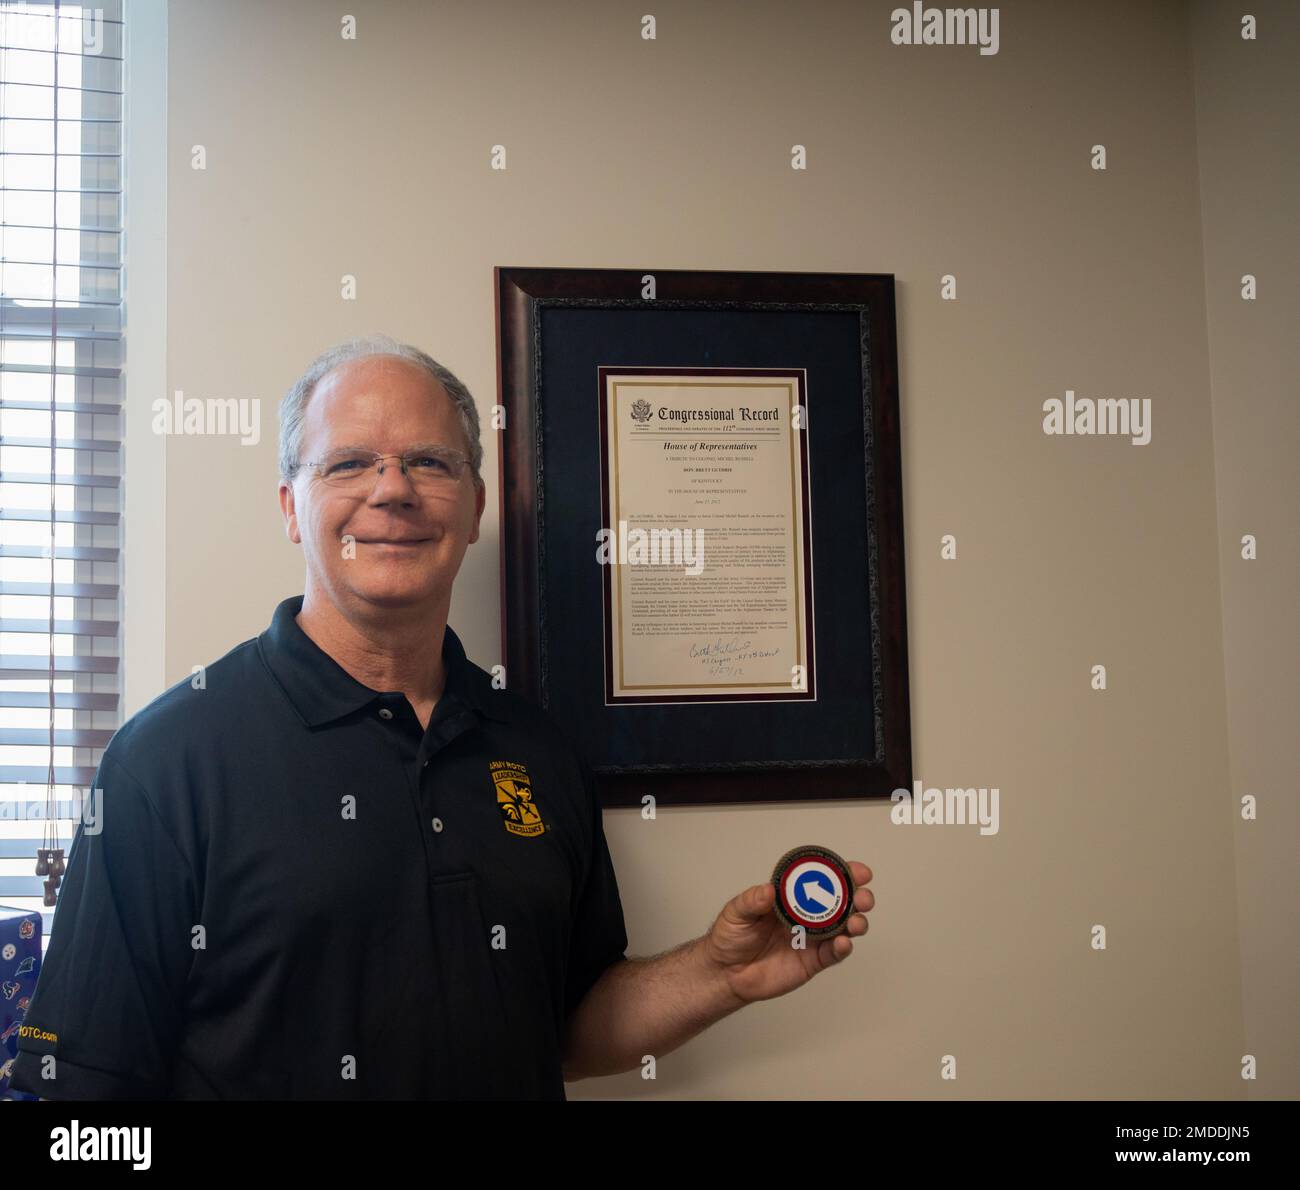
(515, 798)
(38, 1040)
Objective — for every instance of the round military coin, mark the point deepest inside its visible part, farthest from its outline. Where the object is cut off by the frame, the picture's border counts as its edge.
(814, 889)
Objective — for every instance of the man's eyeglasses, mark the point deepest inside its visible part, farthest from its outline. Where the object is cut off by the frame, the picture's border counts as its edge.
(427, 467)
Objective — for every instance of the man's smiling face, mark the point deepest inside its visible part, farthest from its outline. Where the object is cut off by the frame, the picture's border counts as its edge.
(409, 541)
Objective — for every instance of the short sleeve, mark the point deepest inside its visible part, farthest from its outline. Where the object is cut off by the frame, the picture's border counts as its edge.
(109, 999)
(599, 936)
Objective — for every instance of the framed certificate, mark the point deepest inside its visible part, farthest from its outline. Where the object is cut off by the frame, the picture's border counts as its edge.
(702, 556)
(707, 582)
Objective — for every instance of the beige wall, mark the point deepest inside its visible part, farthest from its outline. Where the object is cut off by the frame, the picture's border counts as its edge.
(1247, 100)
(328, 157)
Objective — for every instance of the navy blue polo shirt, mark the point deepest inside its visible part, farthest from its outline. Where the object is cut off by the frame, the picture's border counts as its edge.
(294, 891)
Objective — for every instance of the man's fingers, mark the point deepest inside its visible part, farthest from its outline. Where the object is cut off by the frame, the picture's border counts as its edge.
(864, 899)
(861, 873)
(835, 950)
(755, 902)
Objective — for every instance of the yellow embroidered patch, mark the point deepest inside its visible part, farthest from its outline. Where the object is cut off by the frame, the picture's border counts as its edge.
(515, 798)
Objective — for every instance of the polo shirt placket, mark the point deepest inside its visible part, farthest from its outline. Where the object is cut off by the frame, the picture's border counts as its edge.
(452, 897)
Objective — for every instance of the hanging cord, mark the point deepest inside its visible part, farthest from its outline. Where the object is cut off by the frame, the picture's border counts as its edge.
(49, 859)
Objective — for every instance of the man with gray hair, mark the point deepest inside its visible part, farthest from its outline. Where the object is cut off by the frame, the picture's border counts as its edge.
(344, 865)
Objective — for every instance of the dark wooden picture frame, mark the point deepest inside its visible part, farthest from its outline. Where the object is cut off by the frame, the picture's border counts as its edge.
(551, 325)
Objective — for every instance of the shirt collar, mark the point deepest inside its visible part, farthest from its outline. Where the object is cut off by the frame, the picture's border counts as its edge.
(322, 691)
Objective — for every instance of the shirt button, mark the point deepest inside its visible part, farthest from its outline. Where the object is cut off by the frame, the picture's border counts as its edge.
(437, 824)
(426, 764)
(385, 713)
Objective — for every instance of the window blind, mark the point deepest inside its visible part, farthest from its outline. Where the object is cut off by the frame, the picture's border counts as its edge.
(61, 354)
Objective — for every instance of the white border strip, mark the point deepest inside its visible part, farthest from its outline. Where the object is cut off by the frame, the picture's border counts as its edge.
(144, 453)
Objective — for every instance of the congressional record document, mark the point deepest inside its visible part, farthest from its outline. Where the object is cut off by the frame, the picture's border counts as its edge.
(708, 579)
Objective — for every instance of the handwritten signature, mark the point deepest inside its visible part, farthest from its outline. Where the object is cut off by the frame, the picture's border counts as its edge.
(718, 651)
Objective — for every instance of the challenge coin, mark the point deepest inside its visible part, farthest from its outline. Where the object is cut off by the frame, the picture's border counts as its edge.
(814, 889)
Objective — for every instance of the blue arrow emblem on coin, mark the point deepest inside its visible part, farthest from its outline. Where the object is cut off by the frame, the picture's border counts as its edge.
(815, 893)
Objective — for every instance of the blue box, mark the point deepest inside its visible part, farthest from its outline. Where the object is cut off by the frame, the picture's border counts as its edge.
(20, 964)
